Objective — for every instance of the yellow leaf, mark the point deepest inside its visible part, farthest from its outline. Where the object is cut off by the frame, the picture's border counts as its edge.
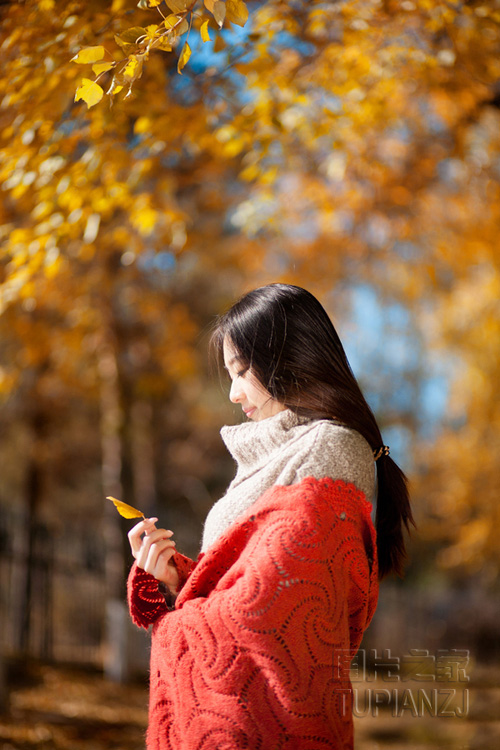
(219, 44)
(89, 55)
(128, 38)
(164, 45)
(142, 125)
(237, 12)
(185, 55)
(152, 29)
(178, 6)
(178, 24)
(99, 68)
(204, 32)
(125, 510)
(145, 220)
(209, 5)
(131, 67)
(90, 92)
(219, 11)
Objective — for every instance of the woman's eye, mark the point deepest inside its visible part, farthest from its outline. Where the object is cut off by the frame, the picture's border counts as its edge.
(242, 372)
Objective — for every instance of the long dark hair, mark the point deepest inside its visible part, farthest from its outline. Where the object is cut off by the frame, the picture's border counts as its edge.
(287, 339)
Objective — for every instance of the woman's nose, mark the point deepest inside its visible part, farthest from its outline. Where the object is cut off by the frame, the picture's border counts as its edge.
(235, 393)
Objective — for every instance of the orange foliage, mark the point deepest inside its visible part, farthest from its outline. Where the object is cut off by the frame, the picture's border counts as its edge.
(331, 141)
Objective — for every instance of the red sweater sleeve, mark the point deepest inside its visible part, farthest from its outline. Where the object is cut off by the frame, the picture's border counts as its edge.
(145, 600)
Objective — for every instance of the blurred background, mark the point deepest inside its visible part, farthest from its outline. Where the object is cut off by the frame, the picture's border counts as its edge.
(349, 147)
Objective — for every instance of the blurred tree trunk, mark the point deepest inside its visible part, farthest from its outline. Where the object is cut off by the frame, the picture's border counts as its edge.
(112, 431)
(34, 487)
(127, 475)
(143, 455)
(112, 462)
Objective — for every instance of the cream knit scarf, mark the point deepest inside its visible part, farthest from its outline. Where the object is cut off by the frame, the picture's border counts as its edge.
(284, 449)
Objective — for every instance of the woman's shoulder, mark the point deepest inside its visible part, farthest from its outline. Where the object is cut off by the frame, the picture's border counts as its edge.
(337, 435)
(339, 452)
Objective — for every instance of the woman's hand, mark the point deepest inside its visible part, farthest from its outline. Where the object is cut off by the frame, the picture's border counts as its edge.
(153, 550)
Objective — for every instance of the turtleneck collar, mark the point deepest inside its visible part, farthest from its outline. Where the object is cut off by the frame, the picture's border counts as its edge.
(250, 442)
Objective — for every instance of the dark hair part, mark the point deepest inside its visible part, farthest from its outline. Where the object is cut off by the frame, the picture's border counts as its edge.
(287, 339)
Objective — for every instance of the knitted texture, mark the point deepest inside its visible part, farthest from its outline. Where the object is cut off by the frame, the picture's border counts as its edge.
(146, 602)
(254, 655)
(284, 449)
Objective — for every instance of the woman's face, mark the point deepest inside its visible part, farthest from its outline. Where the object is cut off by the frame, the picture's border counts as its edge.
(246, 390)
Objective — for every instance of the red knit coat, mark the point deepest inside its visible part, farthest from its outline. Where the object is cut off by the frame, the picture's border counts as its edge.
(256, 652)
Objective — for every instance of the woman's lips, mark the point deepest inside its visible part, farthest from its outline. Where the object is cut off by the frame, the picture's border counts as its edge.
(249, 412)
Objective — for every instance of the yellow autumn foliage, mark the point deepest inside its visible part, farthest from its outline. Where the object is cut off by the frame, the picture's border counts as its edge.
(124, 509)
(90, 92)
(184, 57)
(356, 143)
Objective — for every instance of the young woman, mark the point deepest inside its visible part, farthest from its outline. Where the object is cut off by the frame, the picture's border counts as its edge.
(251, 644)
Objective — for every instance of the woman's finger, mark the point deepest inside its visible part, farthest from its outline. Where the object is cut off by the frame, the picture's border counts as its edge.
(149, 539)
(164, 548)
(142, 527)
(136, 533)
